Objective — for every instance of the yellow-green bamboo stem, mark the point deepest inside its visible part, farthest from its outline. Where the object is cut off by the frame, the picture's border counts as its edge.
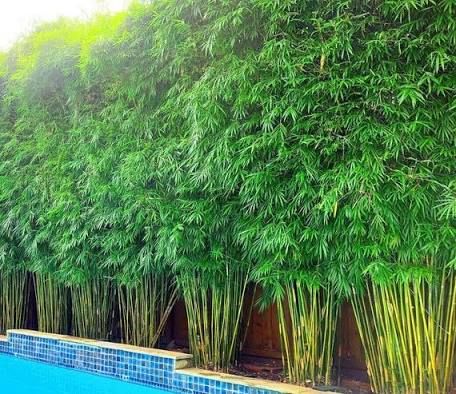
(92, 308)
(408, 331)
(145, 308)
(214, 313)
(14, 288)
(307, 324)
(51, 303)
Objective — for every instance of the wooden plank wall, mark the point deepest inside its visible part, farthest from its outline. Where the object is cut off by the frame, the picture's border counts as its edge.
(262, 337)
(262, 340)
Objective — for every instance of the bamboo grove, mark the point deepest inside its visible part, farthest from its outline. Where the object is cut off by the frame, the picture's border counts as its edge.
(194, 148)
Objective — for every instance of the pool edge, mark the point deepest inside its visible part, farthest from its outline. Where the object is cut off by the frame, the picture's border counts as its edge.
(178, 374)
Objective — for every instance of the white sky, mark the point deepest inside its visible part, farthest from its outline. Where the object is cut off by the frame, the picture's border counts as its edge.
(17, 17)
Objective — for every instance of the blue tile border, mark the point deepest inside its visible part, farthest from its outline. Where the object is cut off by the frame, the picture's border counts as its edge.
(131, 364)
(4, 346)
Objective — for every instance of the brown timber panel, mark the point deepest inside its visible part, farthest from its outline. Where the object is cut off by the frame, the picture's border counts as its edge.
(262, 338)
(349, 341)
(179, 324)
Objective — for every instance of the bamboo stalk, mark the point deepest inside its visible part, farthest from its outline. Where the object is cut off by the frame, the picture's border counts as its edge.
(92, 308)
(307, 324)
(214, 312)
(145, 308)
(14, 287)
(52, 304)
(408, 334)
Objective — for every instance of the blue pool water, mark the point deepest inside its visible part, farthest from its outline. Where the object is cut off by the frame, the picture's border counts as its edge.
(18, 376)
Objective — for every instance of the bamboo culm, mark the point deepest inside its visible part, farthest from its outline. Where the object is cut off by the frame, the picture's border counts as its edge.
(408, 334)
(92, 308)
(144, 309)
(307, 324)
(14, 288)
(214, 312)
(52, 304)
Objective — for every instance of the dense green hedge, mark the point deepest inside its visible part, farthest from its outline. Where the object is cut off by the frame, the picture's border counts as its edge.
(293, 139)
(280, 134)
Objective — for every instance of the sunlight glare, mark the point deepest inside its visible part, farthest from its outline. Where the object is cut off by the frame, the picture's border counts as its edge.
(18, 17)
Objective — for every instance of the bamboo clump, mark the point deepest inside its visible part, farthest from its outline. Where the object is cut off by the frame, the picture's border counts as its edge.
(300, 139)
(408, 331)
(144, 309)
(92, 308)
(307, 324)
(14, 288)
(52, 301)
(214, 312)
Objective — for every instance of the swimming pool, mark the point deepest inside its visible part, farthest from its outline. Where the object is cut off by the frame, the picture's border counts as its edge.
(18, 376)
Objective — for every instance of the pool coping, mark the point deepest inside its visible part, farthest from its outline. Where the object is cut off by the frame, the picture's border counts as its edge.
(262, 384)
(106, 345)
(185, 378)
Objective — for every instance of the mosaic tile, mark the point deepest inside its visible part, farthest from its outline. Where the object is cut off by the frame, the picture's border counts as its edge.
(151, 370)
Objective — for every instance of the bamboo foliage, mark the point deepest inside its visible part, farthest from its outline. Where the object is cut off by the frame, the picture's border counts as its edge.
(307, 321)
(92, 307)
(408, 330)
(14, 289)
(145, 307)
(52, 301)
(196, 137)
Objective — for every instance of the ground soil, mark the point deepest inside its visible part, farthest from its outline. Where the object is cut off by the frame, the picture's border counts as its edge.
(271, 369)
